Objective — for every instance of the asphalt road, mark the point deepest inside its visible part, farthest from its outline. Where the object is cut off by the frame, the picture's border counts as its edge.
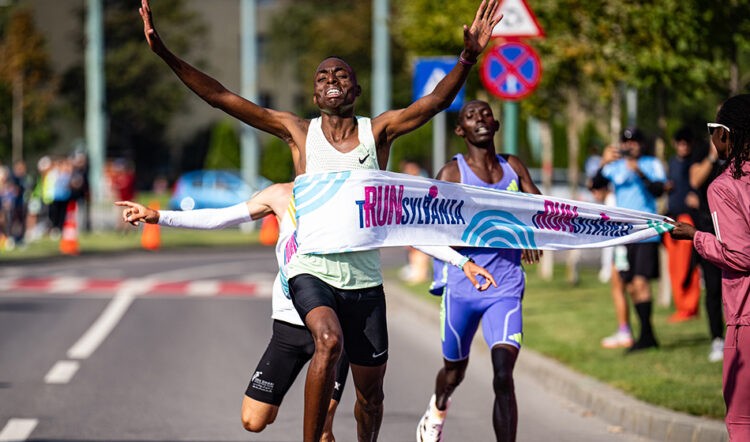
(121, 348)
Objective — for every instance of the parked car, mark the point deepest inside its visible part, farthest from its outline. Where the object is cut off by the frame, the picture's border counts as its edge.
(201, 189)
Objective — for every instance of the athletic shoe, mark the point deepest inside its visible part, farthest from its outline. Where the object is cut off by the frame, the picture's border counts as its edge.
(429, 429)
(717, 350)
(620, 339)
(642, 344)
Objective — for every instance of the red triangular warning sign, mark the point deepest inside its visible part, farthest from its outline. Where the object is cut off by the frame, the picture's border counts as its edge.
(518, 21)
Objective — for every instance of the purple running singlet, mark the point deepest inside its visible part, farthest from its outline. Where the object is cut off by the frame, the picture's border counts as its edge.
(498, 308)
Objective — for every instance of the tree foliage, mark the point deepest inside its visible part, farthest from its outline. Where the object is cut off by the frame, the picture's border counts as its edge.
(679, 54)
(25, 60)
(142, 94)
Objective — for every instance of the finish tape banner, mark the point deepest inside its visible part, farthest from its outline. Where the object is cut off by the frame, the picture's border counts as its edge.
(366, 209)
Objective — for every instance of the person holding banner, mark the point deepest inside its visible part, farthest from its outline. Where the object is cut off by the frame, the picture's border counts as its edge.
(499, 309)
(291, 345)
(729, 249)
(338, 140)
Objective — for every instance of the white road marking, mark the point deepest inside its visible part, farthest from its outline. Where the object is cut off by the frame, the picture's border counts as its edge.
(68, 284)
(207, 287)
(18, 430)
(104, 324)
(62, 372)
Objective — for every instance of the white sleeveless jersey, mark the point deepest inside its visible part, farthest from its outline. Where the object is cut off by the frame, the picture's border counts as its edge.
(352, 270)
(321, 156)
(286, 247)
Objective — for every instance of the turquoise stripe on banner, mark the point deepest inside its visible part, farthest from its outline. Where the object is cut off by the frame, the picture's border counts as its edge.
(496, 225)
(320, 193)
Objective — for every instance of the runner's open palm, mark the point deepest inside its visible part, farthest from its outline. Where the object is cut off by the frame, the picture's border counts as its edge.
(478, 35)
(152, 37)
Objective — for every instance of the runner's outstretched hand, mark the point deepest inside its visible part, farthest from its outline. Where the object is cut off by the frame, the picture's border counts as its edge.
(479, 33)
(152, 37)
(472, 270)
(135, 213)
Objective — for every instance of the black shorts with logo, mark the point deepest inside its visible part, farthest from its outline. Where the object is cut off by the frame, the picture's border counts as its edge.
(290, 348)
(361, 314)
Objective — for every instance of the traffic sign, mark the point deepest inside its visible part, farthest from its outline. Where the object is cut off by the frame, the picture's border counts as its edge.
(518, 21)
(428, 71)
(511, 70)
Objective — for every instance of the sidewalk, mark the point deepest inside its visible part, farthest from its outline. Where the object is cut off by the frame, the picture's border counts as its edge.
(610, 404)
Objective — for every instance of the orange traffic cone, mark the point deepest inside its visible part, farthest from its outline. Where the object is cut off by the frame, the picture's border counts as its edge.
(151, 236)
(69, 237)
(269, 231)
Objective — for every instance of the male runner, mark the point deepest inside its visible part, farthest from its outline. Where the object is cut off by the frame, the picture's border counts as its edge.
(499, 309)
(291, 344)
(340, 296)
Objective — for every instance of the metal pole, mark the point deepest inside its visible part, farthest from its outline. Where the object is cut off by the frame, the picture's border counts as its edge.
(249, 90)
(381, 60)
(95, 100)
(510, 123)
(631, 100)
(439, 123)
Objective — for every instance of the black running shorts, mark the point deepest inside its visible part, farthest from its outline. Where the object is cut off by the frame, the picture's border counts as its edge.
(290, 348)
(643, 260)
(361, 314)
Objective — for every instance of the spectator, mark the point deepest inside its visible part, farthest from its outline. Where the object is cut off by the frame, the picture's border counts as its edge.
(37, 220)
(637, 179)
(614, 260)
(20, 185)
(79, 188)
(729, 249)
(686, 290)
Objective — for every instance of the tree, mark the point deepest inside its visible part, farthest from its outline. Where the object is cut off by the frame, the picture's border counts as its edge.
(142, 95)
(27, 83)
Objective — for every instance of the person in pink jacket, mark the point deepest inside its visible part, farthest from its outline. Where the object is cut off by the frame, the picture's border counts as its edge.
(729, 249)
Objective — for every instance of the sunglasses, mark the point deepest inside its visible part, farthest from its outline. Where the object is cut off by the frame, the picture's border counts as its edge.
(713, 126)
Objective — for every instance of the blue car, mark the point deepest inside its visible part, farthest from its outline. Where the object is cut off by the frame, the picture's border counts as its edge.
(202, 189)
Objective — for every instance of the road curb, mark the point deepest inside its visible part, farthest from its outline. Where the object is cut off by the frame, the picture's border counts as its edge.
(610, 404)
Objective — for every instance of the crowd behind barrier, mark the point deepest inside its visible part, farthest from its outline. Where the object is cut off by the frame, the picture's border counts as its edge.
(34, 203)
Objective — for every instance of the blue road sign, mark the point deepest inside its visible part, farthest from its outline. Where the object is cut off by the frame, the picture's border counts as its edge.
(428, 71)
(511, 70)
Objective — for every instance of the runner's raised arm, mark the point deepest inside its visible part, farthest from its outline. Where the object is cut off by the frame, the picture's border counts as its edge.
(392, 124)
(213, 92)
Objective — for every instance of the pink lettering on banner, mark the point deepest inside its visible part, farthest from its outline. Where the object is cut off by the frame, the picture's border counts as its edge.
(387, 205)
(556, 216)
(382, 205)
(563, 217)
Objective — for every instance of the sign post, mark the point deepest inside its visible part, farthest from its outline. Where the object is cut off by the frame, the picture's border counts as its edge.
(428, 71)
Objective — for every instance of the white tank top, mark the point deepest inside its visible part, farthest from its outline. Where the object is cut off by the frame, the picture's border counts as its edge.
(353, 270)
(321, 156)
(286, 247)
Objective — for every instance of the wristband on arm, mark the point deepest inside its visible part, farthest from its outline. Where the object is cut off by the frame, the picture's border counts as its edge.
(206, 219)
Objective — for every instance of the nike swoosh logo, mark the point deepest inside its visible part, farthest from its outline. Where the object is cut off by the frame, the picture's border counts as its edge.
(362, 160)
(377, 355)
